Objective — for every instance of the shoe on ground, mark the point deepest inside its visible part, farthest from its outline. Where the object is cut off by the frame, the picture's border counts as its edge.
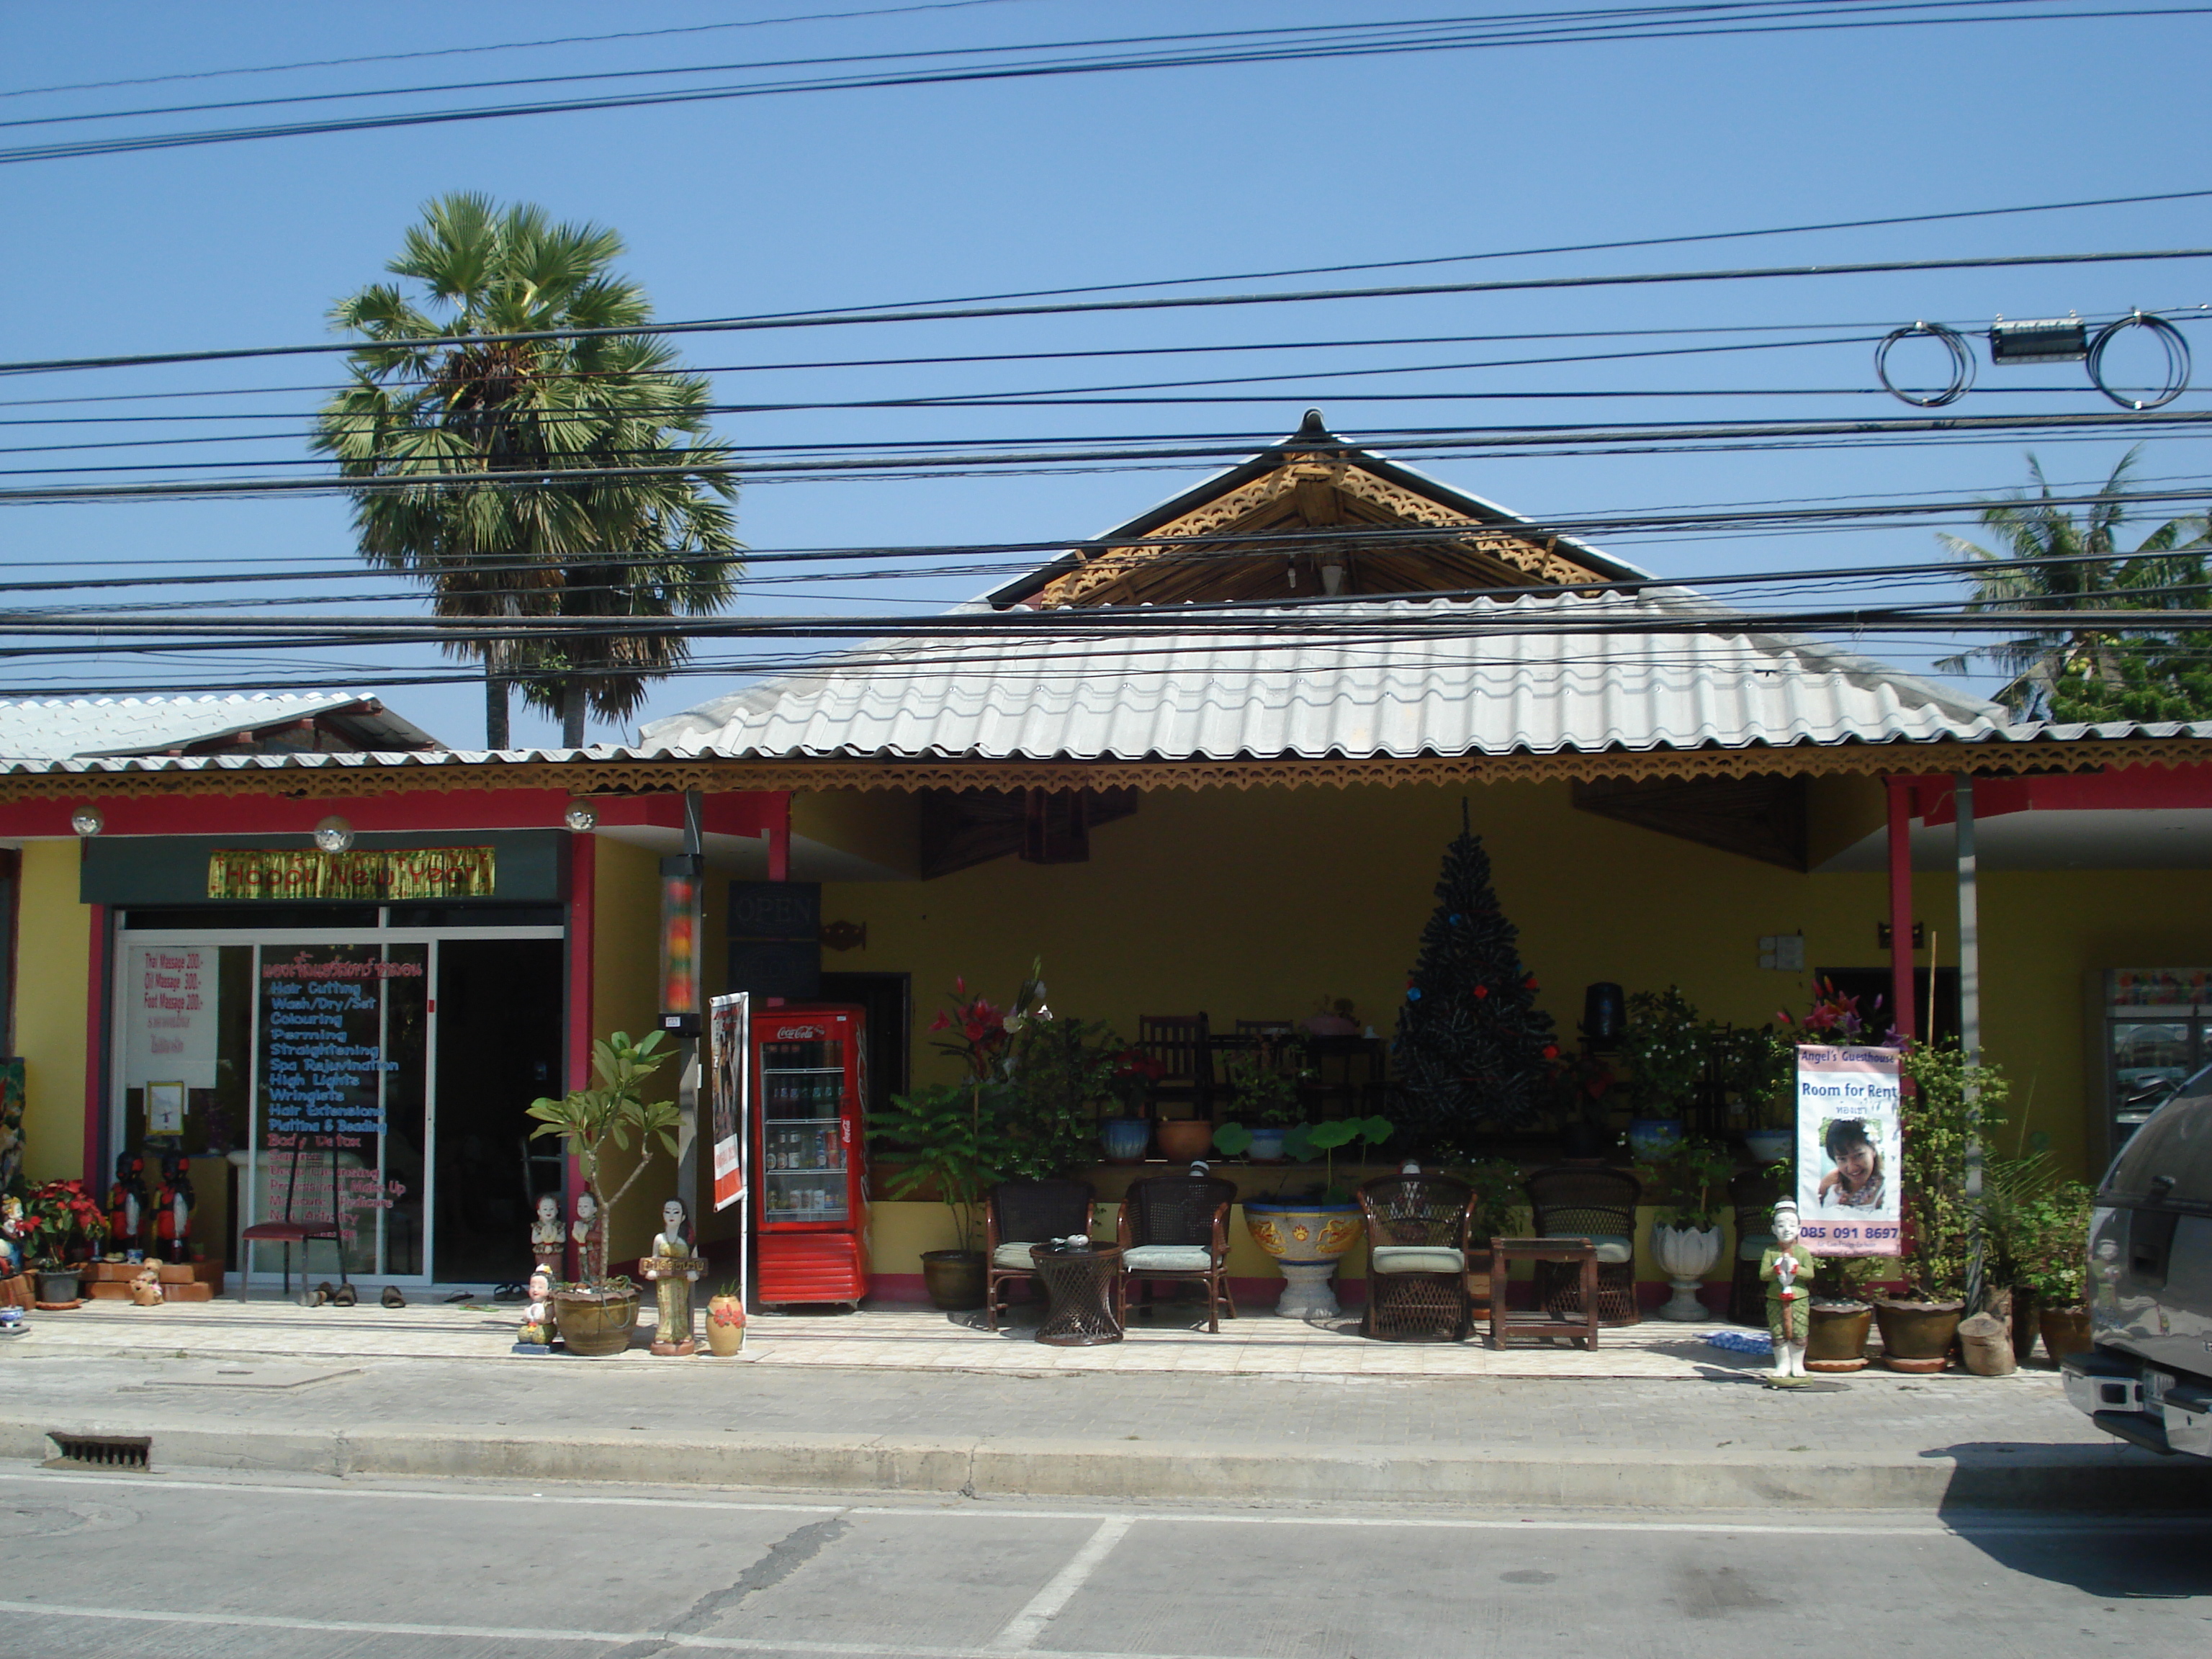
(391, 1298)
(344, 1297)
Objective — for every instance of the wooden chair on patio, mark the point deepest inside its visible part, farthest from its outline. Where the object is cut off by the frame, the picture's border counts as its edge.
(1416, 1246)
(1183, 1046)
(1599, 1204)
(1176, 1228)
(1019, 1215)
(288, 1232)
(1753, 1192)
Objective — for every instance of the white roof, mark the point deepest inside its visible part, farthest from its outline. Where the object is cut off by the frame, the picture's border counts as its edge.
(65, 728)
(1379, 678)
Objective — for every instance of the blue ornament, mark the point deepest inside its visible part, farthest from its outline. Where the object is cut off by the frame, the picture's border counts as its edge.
(1413, 995)
(1455, 922)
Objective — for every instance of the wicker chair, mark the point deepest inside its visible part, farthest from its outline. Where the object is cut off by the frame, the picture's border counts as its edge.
(1021, 1214)
(1599, 1204)
(1417, 1245)
(1176, 1227)
(1752, 1193)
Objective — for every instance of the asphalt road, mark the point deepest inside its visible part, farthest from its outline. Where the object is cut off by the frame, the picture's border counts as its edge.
(120, 1565)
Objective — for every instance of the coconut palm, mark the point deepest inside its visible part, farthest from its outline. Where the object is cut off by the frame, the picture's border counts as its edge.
(2056, 560)
(645, 528)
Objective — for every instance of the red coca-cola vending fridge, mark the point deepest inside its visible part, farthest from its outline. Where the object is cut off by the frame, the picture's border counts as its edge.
(810, 1165)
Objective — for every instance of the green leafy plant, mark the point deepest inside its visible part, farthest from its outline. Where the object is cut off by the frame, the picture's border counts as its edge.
(1757, 1065)
(951, 1143)
(1264, 1081)
(1326, 1137)
(1662, 1051)
(608, 1113)
(1498, 1198)
(2053, 1244)
(1697, 1174)
(1845, 1278)
(1232, 1139)
(1939, 1121)
(1062, 1070)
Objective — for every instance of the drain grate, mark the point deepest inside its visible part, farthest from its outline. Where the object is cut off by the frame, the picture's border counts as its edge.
(99, 1451)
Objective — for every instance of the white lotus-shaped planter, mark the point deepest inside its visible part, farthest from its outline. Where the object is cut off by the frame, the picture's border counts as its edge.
(1685, 1256)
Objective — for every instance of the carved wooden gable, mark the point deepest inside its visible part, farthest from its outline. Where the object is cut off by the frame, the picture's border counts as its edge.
(1252, 535)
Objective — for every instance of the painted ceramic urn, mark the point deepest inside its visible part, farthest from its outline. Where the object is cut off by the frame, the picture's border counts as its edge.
(1307, 1238)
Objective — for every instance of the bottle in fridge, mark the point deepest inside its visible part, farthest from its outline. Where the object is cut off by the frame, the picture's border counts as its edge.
(812, 1166)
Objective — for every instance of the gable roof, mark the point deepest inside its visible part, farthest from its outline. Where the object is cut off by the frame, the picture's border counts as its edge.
(1271, 525)
(66, 728)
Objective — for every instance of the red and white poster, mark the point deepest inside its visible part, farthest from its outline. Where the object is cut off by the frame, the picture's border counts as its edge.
(1848, 1152)
(728, 1073)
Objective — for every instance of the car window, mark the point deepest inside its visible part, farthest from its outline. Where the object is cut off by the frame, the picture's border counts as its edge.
(2170, 1156)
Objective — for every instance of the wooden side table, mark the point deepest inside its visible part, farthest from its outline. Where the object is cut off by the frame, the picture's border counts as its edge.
(1539, 1321)
(1083, 1290)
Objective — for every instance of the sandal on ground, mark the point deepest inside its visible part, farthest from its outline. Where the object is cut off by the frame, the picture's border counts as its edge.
(510, 1291)
(462, 1295)
(344, 1297)
(324, 1293)
(391, 1298)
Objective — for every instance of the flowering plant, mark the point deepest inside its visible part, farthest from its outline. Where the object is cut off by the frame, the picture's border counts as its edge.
(59, 1214)
(1133, 1077)
(983, 1032)
(1835, 1019)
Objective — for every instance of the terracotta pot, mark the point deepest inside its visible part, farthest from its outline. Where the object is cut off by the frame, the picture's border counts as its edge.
(726, 1326)
(595, 1323)
(2065, 1330)
(954, 1278)
(1836, 1337)
(2023, 1325)
(1916, 1337)
(1182, 1139)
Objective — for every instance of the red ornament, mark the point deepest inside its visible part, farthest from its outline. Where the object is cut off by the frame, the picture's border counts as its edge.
(1480, 992)
(1550, 1051)
(1530, 981)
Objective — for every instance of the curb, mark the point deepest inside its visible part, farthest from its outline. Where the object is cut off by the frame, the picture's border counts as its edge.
(2058, 1478)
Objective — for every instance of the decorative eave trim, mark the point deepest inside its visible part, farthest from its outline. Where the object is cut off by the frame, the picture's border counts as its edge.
(654, 777)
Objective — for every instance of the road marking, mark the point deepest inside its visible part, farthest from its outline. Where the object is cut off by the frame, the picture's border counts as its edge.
(1022, 1631)
(499, 1633)
(984, 1510)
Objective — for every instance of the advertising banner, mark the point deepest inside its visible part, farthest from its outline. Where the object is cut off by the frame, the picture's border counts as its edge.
(169, 999)
(1848, 1152)
(729, 1074)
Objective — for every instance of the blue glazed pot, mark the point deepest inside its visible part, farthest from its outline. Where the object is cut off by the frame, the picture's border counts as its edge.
(1125, 1138)
(1769, 1145)
(1651, 1139)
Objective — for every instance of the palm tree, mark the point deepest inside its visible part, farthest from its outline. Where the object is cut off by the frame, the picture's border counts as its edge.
(644, 529)
(2055, 561)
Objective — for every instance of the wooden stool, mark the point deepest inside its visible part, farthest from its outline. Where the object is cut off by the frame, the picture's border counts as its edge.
(1541, 1322)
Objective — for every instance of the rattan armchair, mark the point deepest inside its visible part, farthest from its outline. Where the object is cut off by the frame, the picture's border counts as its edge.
(1019, 1215)
(1753, 1192)
(1416, 1246)
(1599, 1204)
(1176, 1228)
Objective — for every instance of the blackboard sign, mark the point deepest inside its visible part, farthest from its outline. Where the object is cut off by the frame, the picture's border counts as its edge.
(776, 967)
(777, 909)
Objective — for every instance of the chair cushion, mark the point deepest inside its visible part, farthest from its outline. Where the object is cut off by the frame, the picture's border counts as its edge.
(1012, 1255)
(1614, 1248)
(1752, 1246)
(1168, 1258)
(1415, 1259)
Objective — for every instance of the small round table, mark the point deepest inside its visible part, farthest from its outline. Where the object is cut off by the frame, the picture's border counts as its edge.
(1084, 1293)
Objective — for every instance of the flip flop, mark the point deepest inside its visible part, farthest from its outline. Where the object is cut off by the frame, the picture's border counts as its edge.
(344, 1297)
(510, 1291)
(462, 1295)
(391, 1298)
(324, 1293)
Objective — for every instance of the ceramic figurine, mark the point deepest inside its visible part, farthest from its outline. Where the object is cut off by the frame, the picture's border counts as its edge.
(1785, 1268)
(545, 1236)
(674, 1269)
(173, 1206)
(11, 1237)
(146, 1288)
(536, 1329)
(126, 1201)
(584, 1230)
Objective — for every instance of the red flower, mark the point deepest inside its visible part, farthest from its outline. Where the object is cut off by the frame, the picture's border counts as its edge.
(942, 1023)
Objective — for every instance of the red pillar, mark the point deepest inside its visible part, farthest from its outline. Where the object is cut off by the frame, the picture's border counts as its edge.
(1902, 1000)
(97, 1013)
(583, 890)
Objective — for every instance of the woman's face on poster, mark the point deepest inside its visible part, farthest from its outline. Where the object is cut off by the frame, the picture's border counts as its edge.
(1854, 1163)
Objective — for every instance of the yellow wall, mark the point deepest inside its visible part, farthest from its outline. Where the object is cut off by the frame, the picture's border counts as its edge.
(625, 997)
(53, 960)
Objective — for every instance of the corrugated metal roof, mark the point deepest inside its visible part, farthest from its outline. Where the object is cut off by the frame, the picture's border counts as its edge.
(1388, 678)
(61, 728)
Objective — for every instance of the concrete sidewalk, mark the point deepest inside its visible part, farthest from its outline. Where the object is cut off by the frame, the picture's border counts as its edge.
(869, 1403)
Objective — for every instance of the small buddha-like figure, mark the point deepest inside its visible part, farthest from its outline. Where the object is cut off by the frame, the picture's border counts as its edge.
(1785, 1268)
(545, 1236)
(11, 1237)
(674, 1269)
(587, 1231)
(536, 1328)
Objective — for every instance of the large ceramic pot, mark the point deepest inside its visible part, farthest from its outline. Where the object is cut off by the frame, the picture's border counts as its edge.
(954, 1278)
(1916, 1336)
(57, 1283)
(1182, 1139)
(595, 1323)
(2023, 1324)
(1125, 1138)
(1651, 1139)
(726, 1326)
(1307, 1239)
(1685, 1256)
(2065, 1330)
(1836, 1336)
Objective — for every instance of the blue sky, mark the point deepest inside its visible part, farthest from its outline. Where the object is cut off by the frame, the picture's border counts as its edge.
(898, 194)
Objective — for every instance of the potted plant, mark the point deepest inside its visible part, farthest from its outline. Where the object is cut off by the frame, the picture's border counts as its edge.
(1263, 1095)
(1497, 1200)
(1127, 1134)
(596, 1313)
(725, 1321)
(2056, 1224)
(1685, 1234)
(1308, 1233)
(1951, 1103)
(61, 1226)
(1759, 1068)
(1583, 1085)
(1662, 1052)
(949, 1145)
(1062, 1071)
(1841, 1317)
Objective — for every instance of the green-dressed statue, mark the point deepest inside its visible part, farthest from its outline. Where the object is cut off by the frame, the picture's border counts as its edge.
(1785, 1269)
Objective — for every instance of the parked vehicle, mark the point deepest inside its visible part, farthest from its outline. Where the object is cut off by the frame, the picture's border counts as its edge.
(2148, 1376)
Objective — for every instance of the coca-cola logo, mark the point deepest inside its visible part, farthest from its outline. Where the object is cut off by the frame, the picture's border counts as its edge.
(792, 1031)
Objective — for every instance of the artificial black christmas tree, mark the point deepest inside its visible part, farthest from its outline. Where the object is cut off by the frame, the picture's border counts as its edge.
(1472, 1046)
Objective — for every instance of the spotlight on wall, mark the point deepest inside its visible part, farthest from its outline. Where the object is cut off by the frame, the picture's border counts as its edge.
(88, 821)
(582, 817)
(333, 835)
